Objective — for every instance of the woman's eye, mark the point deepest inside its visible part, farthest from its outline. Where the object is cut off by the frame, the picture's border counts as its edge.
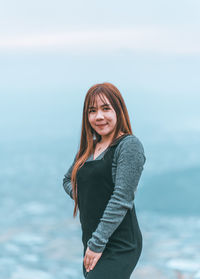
(93, 110)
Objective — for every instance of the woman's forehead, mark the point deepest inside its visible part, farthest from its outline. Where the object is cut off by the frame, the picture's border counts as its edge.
(98, 99)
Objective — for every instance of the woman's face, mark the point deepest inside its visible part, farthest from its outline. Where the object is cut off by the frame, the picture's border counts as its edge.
(102, 117)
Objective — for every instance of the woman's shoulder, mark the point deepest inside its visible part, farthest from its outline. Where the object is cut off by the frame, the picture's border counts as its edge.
(131, 141)
(129, 144)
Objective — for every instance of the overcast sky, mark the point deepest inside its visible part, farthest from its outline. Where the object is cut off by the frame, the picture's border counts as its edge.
(145, 26)
(51, 52)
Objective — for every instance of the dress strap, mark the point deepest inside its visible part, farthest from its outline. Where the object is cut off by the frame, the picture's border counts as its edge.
(117, 141)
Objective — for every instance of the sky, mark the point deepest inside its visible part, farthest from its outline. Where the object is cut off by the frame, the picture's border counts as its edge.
(144, 26)
(51, 52)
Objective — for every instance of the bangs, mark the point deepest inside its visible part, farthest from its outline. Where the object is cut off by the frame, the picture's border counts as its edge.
(93, 97)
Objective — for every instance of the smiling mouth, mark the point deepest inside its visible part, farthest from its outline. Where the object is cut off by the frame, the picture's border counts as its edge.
(101, 125)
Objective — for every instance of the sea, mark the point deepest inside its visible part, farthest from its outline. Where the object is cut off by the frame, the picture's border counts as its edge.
(39, 238)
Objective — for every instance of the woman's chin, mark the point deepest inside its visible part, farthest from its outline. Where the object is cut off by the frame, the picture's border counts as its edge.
(104, 133)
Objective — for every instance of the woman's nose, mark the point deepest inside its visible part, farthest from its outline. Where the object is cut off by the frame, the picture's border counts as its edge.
(99, 115)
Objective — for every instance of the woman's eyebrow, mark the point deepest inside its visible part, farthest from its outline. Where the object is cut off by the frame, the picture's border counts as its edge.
(104, 105)
(90, 107)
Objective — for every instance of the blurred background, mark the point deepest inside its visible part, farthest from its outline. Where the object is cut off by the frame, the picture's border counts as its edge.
(51, 52)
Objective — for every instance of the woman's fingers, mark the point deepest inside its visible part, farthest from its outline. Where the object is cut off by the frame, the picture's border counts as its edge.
(90, 259)
(92, 265)
(86, 262)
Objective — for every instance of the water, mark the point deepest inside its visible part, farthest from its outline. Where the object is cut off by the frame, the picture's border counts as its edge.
(40, 239)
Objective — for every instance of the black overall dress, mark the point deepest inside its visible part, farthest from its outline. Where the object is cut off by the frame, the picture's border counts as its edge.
(123, 249)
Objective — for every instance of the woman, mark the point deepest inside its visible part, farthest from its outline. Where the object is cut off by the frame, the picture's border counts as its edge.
(102, 181)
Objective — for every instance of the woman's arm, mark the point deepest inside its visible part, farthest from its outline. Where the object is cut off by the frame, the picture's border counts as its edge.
(130, 161)
(67, 180)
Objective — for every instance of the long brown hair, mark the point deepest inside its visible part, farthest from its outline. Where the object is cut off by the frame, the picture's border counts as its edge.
(87, 142)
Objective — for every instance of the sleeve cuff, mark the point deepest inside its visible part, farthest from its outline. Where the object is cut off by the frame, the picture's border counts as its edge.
(95, 248)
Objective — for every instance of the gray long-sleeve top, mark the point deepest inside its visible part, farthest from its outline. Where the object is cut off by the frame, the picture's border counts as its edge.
(127, 166)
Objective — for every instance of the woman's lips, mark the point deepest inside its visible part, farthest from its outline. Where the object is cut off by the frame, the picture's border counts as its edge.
(101, 125)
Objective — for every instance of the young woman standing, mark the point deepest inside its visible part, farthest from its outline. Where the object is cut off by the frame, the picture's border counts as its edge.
(102, 182)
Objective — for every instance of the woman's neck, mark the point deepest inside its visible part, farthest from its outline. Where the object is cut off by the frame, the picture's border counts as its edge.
(107, 140)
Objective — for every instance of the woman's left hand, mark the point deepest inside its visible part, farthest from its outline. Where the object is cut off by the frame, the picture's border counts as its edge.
(90, 259)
